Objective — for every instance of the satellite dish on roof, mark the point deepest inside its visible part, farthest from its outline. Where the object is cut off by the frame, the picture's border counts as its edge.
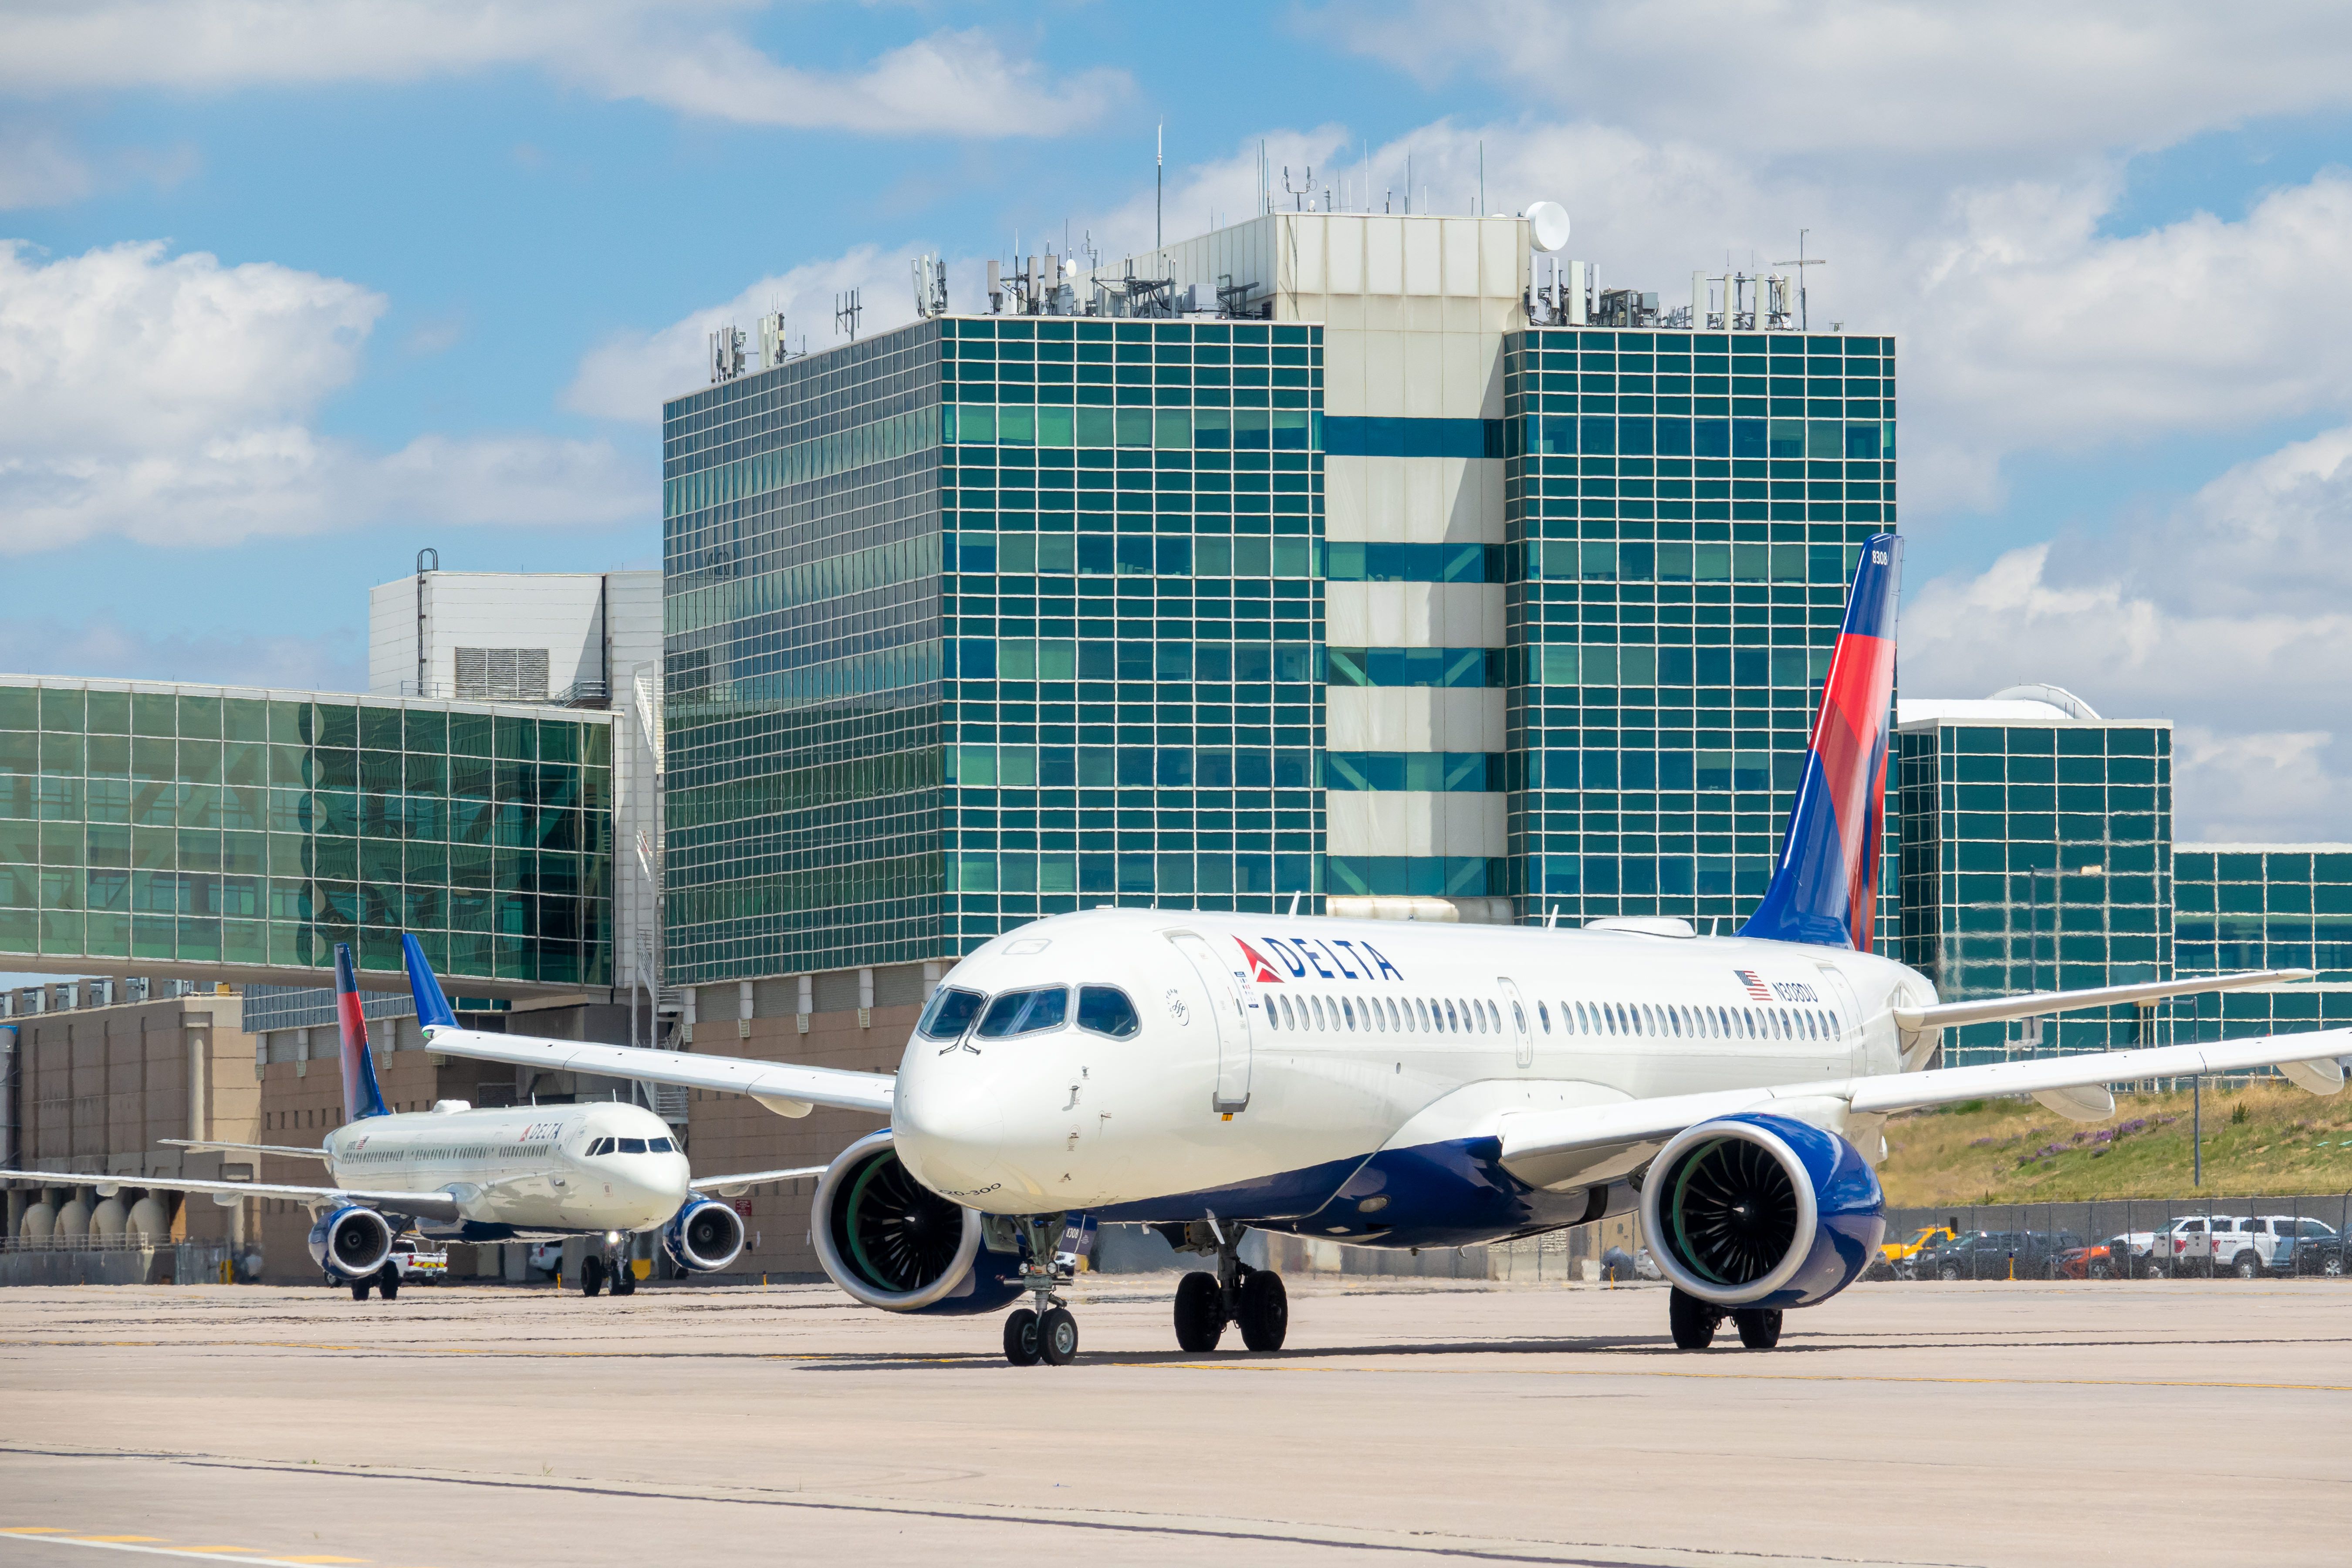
(1548, 225)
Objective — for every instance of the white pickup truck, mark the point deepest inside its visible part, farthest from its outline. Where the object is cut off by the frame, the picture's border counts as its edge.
(2207, 1245)
(419, 1261)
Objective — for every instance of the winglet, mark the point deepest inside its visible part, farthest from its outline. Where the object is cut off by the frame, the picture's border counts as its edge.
(360, 1095)
(1825, 888)
(432, 1007)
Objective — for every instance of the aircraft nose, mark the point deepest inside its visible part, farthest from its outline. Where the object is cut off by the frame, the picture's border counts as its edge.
(949, 1136)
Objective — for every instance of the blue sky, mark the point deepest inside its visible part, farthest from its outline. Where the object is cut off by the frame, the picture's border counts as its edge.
(294, 288)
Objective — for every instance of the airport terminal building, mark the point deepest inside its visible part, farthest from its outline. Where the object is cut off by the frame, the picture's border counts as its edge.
(1375, 564)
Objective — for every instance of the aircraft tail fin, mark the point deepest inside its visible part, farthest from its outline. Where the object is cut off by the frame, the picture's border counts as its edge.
(1825, 888)
(433, 1010)
(360, 1095)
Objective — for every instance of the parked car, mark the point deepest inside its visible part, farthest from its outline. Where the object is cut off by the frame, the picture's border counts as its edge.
(2287, 1244)
(1995, 1255)
(1895, 1257)
(2195, 1245)
(2121, 1257)
(418, 1260)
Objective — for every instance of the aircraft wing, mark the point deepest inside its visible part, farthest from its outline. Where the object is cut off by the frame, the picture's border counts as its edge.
(1946, 1014)
(419, 1206)
(1538, 1139)
(290, 1151)
(786, 1090)
(744, 1181)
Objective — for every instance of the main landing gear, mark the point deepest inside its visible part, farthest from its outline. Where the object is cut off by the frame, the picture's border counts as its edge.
(387, 1279)
(1236, 1293)
(1045, 1331)
(1693, 1322)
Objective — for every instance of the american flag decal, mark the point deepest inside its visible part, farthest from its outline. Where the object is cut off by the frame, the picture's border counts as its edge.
(1756, 988)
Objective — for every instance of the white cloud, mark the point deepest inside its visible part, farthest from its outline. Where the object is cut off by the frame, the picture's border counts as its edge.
(2232, 616)
(105, 648)
(627, 375)
(38, 169)
(2022, 85)
(171, 400)
(682, 56)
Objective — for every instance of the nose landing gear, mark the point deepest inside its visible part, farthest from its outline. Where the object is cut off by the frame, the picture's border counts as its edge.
(1045, 1332)
(1251, 1298)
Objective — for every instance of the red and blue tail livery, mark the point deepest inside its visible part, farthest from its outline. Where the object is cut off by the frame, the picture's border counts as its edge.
(1826, 885)
(360, 1095)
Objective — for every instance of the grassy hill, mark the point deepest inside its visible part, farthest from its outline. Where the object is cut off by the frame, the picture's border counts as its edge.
(2262, 1140)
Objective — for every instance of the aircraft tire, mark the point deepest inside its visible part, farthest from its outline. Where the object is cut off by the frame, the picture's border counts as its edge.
(591, 1275)
(1692, 1321)
(625, 1279)
(1200, 1316)
(360, 1288)
(1760, 1326)
(1023, 1344)
(1058, 1337)
(387, 1282)
(1264, 1310)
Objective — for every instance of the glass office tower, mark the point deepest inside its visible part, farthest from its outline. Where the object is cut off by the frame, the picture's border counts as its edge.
(1685, 510)
(2038, 856)
(989, 618)
(204, 832)
(2263, 905)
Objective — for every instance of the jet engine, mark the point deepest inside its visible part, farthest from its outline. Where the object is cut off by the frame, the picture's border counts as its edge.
(351, 1243)
(1754, 1210)
(704, 1237)
(895, 1244)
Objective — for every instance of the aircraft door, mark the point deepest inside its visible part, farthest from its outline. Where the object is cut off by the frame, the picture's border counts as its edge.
(1521, 1026)
(1230, 997)
(1849, 1010)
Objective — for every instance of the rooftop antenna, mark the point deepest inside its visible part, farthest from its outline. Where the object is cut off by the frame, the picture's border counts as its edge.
(1408, 185)
(1159, 188)
(1300, 194)
(1804, 319)
(845, 313)
(1481, 177)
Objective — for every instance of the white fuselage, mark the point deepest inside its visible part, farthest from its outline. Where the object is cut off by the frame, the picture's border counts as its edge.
(1265, 1044)
(525, 1166)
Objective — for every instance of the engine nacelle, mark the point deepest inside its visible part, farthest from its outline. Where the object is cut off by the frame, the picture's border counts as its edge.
(704, 1237)
(893, 1243)
(1755, 1210)
(351, 1243)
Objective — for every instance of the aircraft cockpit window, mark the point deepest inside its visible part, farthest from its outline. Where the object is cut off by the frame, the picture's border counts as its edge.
(1104, 1010)
(657, 1146)
(599, 1146)
(1026, 1012)
(632, 1146)
(949, 1014)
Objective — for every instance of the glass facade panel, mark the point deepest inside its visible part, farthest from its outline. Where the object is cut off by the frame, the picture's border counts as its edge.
(953, 642)
(1676, 571)
(165, 845)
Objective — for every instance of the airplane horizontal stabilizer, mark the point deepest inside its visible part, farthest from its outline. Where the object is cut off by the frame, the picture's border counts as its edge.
(1946, 1015)
(419, 1206)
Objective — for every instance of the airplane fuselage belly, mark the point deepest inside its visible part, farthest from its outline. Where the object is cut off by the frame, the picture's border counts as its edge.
(524, 1169)
(1353, 1033)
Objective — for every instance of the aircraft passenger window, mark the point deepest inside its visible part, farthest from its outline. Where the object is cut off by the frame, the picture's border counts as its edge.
(1347, 1012)
(657, 1146)
(1104, 1010)
(1420, 1013)
(1047, 1010)
(1399, 1020)
(949, 1014)
(1544, 1012)
(1520, 1013)
(633, 1146)
(1453, 1025)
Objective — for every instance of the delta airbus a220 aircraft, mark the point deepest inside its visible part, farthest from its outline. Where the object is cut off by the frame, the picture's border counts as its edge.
(526, 1173)
(1425, 1085)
